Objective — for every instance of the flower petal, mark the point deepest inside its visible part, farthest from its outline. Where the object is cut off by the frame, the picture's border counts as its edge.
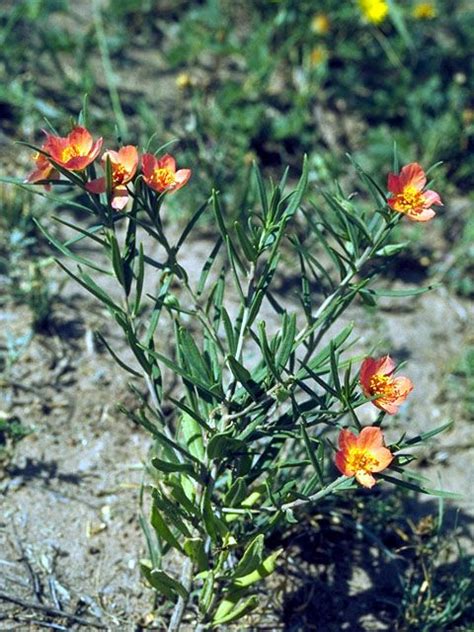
(96, 186)
(167, 162)
(78, 163)
(384, 458)
(404, 386)
(119, 198)
(341, 464)
(370, 438)
(149, 163)
(413, 175)
(81, 138)
(347, 439)
(128, 157)
(365, 478)
(431, 197)
(389, 407)
(181, 177)
(393, 184)
(94, 152)
(424, 216)
(386, 365)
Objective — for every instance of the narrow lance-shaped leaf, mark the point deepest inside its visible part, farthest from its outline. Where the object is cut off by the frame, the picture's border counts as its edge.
(67, 252)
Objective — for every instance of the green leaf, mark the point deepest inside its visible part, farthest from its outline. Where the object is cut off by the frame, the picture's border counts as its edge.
(251, 559)
(418, 488)
(243, 376)
(152, 543)
(190, 225)
(191, 413)
(396, 16)
(248, 248)
(229, 331)
(194, 548)
(266, 351)
(92, 287)
(207, 266)
(222, 445)
(367, 297)
(215, 526)
(261, 189)
(207, 592)
(392, 249)
(408, 292)
(236, 493)
(109, 178)
(83, 232)
(377, 193)
(233, 610)
(175, 515)
(183, 491)
(116, 258)
(287, 340)
(319, 360)
(216, 299)
(140, 279)
(424, 436)
(69, 253)
(120, 362)
(164, 583)
(162, 529)
(193, 357)
(264, 569)
(214, 392)
(166, 467)
(310, 450)
(192, 434)
(297, 195)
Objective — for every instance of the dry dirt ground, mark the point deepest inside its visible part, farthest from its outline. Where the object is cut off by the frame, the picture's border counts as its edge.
(69, 499)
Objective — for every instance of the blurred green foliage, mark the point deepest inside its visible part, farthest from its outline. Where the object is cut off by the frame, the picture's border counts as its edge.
(272, 80)
(22, 259)
(265, 81)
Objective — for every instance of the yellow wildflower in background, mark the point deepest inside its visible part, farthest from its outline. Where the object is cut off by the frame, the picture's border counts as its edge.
(183, 80)
(320, 24)
(424, 11)
(374, 11)
(318, 55)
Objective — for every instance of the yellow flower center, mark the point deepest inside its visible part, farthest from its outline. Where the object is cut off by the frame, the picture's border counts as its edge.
(361, 460)
(383, 385)
(71, 151)
(411, 199)
(119, 173)
(164, 177)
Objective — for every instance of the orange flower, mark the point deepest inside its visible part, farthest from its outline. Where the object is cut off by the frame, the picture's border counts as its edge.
(44, 170)
(161, 175)
(376, 379)
(123, 163)
(362, 455)
(76, 151)
(408, 196)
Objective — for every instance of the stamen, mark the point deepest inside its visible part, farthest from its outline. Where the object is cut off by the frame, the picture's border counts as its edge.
(165, 177)
(410, 199)
(361, 461)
